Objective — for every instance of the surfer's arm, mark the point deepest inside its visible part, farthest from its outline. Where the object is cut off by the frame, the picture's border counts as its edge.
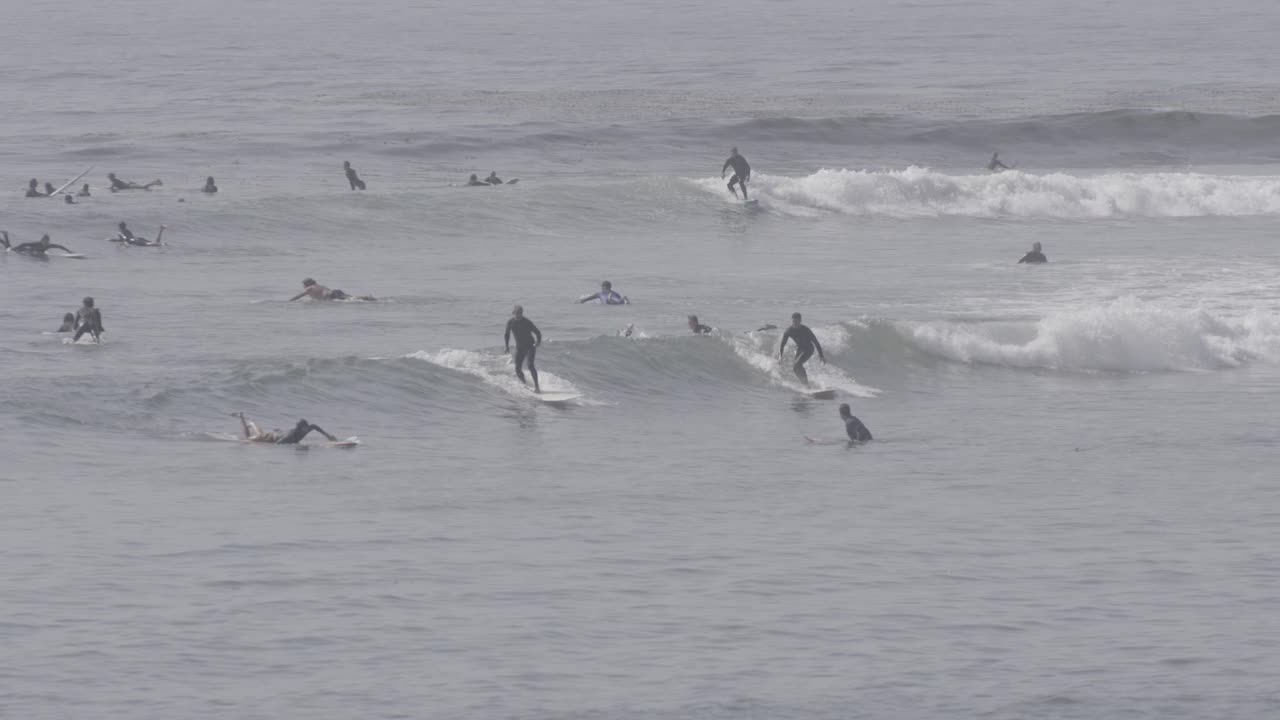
(537, 334)
(61, 247)
(298, 296)
(587, 298)
(244, 424)
(785, 337)
(320, 430)
(4, 238)
(506, 338)
(726, 167)
(818, 345)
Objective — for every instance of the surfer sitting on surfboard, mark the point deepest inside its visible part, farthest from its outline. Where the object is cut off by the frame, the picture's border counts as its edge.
(853, 426)
(34, 249)
(741, 172)
(277, 436)
(33, 189)
(606, 296)
(493, 178)
(805, 342)
(528, 338)
(209, 186)
(84, 191)
(89, 320)
(315, 291)
(117, 184)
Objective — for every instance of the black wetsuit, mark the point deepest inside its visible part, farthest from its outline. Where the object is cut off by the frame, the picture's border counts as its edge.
(88, 320)
(1035, 257)
(356, 182)
(32, 192)
(700, 329)
(493, 180)
(209, 189)
(856, 430)
(526, 345)
(300, 431)
(805, 342)
(37, 249)
(741, 172)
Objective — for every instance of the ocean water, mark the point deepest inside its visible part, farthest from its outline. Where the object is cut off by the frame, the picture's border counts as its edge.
(1071, 506)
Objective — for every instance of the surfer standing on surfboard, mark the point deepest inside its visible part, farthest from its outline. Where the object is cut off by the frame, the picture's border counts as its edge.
(354, 180)
(528, 338)
(741, 172)
(278, 437)
(805, 342)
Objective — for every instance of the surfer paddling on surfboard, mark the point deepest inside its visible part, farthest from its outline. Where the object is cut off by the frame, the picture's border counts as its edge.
(741, 173)
(315, 291)
(805, 342)
(278, 437)
(528, 339)
(117, 184)
(34, 249)
(125, 235)
(606, 296)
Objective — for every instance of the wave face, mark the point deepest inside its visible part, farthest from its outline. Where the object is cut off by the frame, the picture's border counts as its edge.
(921, 192)
(1125, 335)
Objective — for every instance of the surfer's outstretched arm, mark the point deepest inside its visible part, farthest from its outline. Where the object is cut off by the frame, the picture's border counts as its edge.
(4, 238)
(320, 430)
(243, 424)
(785, 337)
(299, 296)
(818, 345)
(62, 247)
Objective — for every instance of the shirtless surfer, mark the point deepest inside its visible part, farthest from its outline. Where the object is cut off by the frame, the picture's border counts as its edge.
(606, 296)
(125, 235)
(315, 291)
(278, 437)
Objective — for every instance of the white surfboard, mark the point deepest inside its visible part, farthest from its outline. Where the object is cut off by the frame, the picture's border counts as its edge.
(71, 182)
(70, 256)
(555, 398)
(350, 442)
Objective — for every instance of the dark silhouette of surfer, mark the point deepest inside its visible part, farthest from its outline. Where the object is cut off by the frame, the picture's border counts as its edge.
(741, 172)
(1035, 257)
(352, 178)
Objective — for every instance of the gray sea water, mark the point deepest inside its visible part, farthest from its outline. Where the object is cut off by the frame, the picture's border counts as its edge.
(1071, 508)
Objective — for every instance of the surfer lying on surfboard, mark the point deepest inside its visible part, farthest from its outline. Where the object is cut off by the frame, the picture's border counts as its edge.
(117, 184)
(34, 249)
(316, 291)
(606, 296)
(126, 236)
(278, 437)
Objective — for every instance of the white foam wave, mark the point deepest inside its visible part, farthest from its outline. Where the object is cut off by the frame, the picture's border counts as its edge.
(1123, 335)
(495, 370)
(759, 349)
(919, 191)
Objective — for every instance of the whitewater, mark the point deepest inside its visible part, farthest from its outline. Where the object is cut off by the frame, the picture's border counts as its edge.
(1068, 508)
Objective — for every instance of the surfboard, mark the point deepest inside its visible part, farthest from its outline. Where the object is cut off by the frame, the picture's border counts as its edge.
(71, 182)
(555, 398)
(350, 442)
(85, 339)
(69, 256)
(827, 394)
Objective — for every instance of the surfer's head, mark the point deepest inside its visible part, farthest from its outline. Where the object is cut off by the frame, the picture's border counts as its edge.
(693, 321)
(44, 239)
(1035, 246)
(68, 200)
(33, 184)
(308, 282)
(68, 318)
(88, 302)
(346, 164)
(111, 176)
(302, 425)
(474, 178)
(733, 150)
(845, 412)
(122, 226)
(48, 188)
(606, 286)
(518, 311)
(208, 180)
(795, 318)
